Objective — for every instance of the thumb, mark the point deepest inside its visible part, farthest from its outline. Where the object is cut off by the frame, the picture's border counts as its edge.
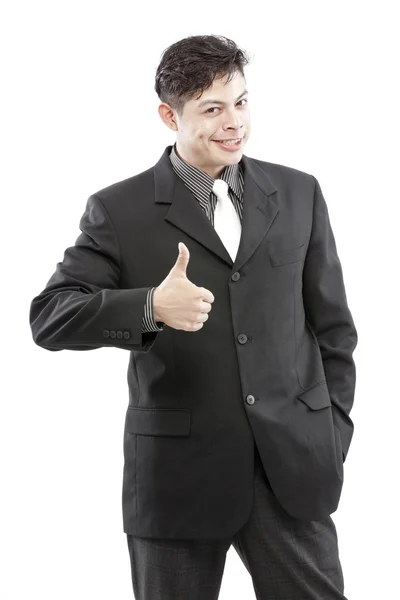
(183, 259)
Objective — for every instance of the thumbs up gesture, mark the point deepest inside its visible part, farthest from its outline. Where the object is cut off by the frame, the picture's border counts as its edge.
(177, 301)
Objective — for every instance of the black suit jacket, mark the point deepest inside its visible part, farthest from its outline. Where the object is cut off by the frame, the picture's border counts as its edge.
(272, 365)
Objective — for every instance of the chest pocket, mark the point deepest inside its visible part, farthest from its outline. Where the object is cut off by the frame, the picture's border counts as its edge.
(286, 257)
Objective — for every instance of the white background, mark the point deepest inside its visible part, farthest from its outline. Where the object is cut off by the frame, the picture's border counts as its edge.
(79, 112)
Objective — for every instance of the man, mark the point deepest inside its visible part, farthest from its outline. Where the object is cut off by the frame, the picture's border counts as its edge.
(241, 376)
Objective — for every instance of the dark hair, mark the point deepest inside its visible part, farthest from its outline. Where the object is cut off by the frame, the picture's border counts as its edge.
(190, 66)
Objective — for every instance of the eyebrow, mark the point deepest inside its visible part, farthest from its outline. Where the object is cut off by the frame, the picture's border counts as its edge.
(219, 101)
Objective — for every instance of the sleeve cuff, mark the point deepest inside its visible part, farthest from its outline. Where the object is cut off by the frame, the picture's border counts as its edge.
(148, 322)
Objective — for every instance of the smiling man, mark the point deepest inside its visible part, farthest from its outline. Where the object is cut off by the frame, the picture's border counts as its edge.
(212, 131)
(219, 273)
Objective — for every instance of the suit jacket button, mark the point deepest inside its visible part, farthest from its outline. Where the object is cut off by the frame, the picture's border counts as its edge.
(250, 399)
(113, 334)
(235, 276)
(119, 335)
(242, 338)
(106, 333)
(127, 335)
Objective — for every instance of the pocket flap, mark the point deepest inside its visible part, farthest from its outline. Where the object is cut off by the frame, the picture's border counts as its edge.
(285, 257)
(317, 397)
(158, 421)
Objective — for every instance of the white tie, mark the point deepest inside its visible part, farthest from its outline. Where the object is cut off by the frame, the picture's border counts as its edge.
(226, 220)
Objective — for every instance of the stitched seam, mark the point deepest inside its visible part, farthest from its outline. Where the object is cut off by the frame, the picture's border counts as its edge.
(136, 487)
(295, 343)
(174, 360)
(294, 330)
(313, 386)
(160, 434)
(289, 263)
(157, 408)
(115, 234)
(313, 213)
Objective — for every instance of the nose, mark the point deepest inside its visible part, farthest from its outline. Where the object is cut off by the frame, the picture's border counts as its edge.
(233, 121)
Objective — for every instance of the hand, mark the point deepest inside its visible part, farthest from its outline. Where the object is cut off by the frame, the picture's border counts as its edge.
(177, 301)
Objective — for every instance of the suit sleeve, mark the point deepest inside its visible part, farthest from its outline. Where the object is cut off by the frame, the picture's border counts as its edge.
(82, 306)
(328, 314)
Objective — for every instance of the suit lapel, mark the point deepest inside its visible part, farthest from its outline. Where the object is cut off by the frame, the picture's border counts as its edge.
(260, 207)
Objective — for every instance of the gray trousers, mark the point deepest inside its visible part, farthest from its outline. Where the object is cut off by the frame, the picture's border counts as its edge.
(287, 559)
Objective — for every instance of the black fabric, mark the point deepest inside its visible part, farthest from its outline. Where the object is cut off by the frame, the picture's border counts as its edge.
(272, 367)
(287, 559)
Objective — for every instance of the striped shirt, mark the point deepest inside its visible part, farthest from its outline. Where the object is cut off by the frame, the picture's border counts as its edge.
(200, 184)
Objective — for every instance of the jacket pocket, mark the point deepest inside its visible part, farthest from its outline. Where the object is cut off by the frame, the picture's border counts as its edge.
(317, 397)
(158, 421)
(286, 257)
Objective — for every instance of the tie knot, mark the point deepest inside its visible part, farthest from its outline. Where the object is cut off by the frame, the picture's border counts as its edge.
(220, 187)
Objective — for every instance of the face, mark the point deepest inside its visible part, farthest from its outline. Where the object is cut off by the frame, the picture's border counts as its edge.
(221, 113)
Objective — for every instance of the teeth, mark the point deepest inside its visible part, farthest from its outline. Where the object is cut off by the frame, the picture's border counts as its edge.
(230, 142)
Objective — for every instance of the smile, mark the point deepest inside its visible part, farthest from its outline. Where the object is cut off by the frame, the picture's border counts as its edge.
(230, 144)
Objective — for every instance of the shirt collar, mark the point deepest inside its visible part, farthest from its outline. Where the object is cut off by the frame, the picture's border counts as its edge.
(200, 183)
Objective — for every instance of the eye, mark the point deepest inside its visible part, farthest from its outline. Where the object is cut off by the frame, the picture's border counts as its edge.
(214, 107)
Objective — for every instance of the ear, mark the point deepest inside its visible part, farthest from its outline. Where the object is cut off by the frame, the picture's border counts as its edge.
(167, 115)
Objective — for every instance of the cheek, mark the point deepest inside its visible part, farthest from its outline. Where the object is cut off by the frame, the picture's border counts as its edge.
(201, 137)
(207, 134)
